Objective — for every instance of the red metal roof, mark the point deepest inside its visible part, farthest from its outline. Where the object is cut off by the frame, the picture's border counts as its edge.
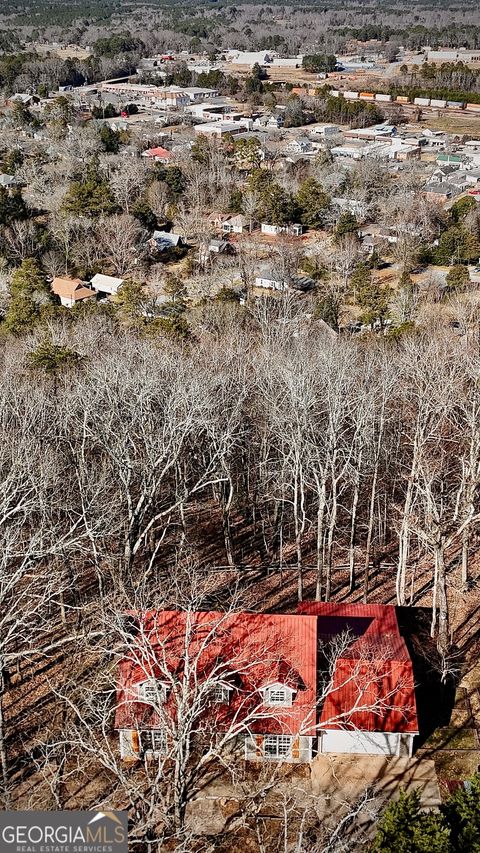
(373, 686)
(158, 153)
(373, 627)
(374, 696)
(247, 650)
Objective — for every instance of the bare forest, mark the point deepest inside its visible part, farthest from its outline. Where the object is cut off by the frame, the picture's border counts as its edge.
(262, 463)
(239, 378)
(289, 27)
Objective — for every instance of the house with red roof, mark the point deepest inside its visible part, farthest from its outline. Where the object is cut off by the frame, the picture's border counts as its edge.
(369, 706)
(330, 678)
(159, 154)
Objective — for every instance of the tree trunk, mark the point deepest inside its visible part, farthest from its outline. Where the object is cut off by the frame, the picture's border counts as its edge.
(320, 527)
(3, 746)
(298, 540)
(331, 531)
(465, 556)
(353, 531)
(404, 535)
(371, 514)
(443, 640)
(433, 624)
(368, 547)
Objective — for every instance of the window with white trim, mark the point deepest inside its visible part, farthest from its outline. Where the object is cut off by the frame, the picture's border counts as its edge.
(221, 694)
(277, 695)
(154, 740)
(277, 746)
(152, 692)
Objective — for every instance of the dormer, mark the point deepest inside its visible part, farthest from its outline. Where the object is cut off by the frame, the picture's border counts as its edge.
(151, 691)
(221, 694)
(278, 695)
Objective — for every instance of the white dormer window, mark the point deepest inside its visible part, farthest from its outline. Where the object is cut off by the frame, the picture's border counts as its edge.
(151, 691)
(278, 694)
(221, 694)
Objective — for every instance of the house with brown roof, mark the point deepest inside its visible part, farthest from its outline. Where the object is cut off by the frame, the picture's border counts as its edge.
(70, 291)
(238, 224)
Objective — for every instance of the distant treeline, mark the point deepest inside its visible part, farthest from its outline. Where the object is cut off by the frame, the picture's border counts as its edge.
(417, 35)
(63, 14)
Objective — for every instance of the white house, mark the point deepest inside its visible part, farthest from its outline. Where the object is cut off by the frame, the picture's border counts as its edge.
(269, 122)
(106, 283)
(301, 145)
(237, 224)
(295, 230)
(269, 279)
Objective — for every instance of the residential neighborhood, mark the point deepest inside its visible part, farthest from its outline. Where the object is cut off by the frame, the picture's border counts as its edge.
(239, 409)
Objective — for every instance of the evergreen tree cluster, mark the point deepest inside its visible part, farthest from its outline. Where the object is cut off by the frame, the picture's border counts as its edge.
(406, 827)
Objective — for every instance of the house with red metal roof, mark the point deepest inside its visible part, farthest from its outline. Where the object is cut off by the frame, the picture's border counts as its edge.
(268, 682)
(161, 155)
(369, 704)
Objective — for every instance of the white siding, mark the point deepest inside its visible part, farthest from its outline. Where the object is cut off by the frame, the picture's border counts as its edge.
(66, 302)
(269, 283)
(369, 743)
(128, 743)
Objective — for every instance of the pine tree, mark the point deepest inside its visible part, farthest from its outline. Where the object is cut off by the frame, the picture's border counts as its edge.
(145, 215)
(175, 180)
(369, 295)
(406, 828)
(347, 224)
(110, 139)
(30, 295)
(277, 206)
(131, 300)
(360, 279)
(461, 208)
(462, 813)
(313, 202)
(456, 244)
(175, 288)
(406, 283)
(12, 206)
(327, 308)
(457, 278)
(51, 357)
(90, 195)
